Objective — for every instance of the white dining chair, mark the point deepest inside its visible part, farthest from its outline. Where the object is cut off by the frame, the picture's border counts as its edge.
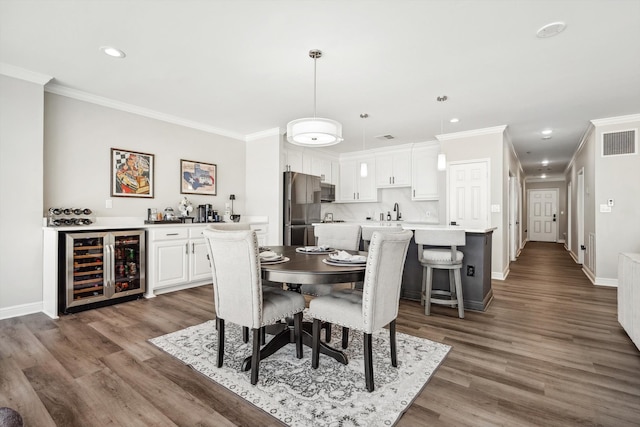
(376, 307)
(229, 226)
(238, 294)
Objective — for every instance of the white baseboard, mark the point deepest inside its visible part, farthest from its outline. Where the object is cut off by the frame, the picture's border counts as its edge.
(575, 258)
(589, 274)
(500, 276)
(606, 281)
(561, 241)
(20, 310)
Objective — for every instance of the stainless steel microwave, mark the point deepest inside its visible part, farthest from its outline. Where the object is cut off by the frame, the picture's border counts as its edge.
(327, 193)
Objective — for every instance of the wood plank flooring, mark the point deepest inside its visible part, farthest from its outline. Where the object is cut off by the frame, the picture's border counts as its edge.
(548, 352)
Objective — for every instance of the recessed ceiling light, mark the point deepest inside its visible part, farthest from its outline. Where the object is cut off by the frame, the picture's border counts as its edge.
(545, 162)
(543, 176)
(546, 137)
(454, 120)
(547, 132)
(112, 51)
(550, 30)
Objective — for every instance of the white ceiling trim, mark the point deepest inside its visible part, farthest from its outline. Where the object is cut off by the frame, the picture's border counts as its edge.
(617, 120)
(469, 133)
(129, 108)
(24, 74)
(262, 134)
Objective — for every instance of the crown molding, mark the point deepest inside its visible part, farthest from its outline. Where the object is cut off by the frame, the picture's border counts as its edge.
(469, 133)
(585, 136)
(129, 108)
(616, 120)
(262, 134)
(24, 74)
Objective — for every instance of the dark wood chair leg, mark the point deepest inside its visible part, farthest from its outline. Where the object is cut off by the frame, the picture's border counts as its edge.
(392, 340)
(245, 334)
(263, 335)
(220, 326)
(327, 331)
(297, 333)
(368, 362)
(315, 344)
(255, 356)
(345, 337)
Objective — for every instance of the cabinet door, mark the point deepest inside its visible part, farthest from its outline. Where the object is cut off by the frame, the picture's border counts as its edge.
(425, 174)
(401, 169)
(199, 267)
(348, 187)
(366, 191)
(322, 168)
(170, 263)
(384, 170)
(294, 161)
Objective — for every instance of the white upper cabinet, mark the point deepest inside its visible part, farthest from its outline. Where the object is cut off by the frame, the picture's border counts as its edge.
(393, 169)
(424, 169)
(354, 187)
(322, 167)
(293, 161)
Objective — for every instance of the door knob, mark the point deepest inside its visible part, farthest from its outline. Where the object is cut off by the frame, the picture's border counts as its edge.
(554, 217)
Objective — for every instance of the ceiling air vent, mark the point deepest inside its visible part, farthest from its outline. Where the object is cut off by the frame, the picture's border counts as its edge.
(385, 137)
(620, 143)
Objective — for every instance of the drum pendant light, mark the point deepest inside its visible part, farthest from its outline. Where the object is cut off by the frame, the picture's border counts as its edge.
(314, 131)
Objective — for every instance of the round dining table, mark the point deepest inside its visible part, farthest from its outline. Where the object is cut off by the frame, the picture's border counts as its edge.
(304, 269)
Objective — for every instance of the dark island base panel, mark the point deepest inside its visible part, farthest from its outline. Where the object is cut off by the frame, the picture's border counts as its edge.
(476, 289)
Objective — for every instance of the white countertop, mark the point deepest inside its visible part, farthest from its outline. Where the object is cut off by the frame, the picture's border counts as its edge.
(119, 223)
(416, 225)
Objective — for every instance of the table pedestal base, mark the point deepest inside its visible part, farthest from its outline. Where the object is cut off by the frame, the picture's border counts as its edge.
(284, 335)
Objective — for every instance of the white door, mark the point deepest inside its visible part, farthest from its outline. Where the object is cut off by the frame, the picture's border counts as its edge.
(513, 218)
(543, 215)
(468, 201)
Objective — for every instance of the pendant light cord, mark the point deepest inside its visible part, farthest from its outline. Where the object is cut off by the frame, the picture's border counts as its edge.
(315, 84)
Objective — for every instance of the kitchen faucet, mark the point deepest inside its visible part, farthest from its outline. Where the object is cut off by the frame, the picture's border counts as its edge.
(396, 209)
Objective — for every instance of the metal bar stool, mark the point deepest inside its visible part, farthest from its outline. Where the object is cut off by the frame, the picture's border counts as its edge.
(446, 259)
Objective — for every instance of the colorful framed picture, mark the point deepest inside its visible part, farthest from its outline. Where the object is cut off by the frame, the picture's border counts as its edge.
(198, 178)
(131, 174)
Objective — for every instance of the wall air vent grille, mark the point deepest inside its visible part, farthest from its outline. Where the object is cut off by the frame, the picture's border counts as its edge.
(620, 143)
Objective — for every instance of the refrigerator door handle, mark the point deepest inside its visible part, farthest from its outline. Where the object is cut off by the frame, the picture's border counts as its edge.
(107, 269)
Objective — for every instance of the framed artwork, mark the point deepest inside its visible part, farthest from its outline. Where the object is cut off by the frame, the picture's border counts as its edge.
(198, 178)
(131, 174)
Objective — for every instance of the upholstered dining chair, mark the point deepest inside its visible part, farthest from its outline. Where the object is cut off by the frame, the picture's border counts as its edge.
(376, 307)
(337, 236)
(239, 296)
(229, 226)
(367, 233)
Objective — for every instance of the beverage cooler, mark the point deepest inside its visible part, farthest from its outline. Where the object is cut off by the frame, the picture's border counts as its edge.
(101, 268)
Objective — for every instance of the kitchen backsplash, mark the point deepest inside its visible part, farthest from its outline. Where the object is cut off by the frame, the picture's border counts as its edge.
(410, 210)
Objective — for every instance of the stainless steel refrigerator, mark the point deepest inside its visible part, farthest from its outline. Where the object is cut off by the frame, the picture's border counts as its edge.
(301, 208)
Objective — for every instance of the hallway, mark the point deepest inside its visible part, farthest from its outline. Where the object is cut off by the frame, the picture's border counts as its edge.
(548, 351)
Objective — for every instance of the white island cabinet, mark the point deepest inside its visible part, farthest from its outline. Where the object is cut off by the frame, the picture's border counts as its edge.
(177, 259)
(629, 295)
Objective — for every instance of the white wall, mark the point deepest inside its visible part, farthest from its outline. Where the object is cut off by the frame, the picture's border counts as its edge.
(264, 182)
(78, 140)
(618, 178)
(21, 116)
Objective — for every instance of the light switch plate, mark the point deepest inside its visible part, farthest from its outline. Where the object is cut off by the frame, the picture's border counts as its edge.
(605, 208)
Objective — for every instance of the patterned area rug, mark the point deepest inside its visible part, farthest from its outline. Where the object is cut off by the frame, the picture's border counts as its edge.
(333, 395)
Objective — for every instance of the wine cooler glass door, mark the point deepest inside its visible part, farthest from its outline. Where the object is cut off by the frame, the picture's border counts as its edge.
(86, 268)
(128, 260)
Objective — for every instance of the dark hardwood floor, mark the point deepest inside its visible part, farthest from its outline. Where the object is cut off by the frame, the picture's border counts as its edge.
(548, 352)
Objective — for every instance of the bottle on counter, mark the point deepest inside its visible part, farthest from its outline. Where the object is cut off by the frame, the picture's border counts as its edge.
(388, 215)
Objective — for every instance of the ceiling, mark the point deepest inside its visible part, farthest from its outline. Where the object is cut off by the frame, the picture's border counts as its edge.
(242, 67)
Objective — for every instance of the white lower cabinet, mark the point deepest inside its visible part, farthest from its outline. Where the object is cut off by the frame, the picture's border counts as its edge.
(177, 259)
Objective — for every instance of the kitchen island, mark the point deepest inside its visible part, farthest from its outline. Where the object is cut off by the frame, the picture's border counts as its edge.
(476, 288)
